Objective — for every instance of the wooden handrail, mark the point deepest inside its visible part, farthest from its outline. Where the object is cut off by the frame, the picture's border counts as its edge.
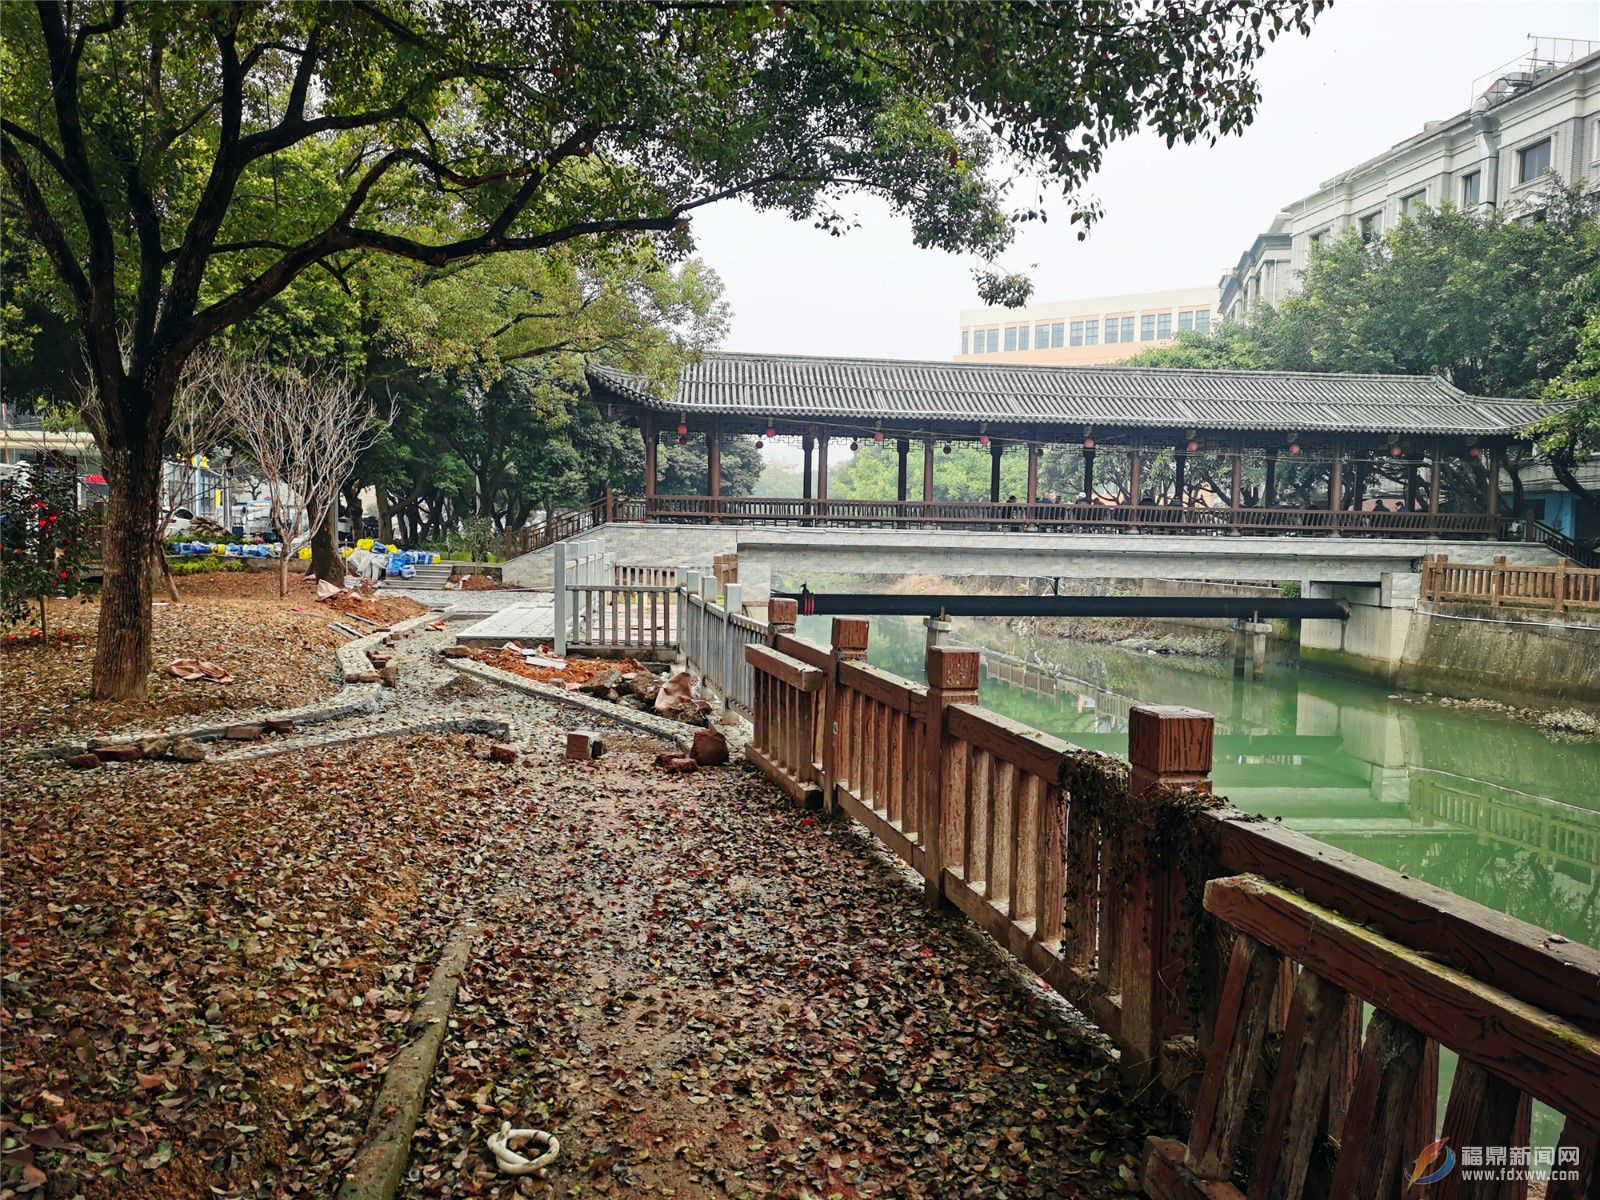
(1560, 587)
(1072, 861)
(1060, 517)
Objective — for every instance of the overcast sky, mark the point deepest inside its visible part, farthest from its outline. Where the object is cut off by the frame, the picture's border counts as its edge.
(1370, 73)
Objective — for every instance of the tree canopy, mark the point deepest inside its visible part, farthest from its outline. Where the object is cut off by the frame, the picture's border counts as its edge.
(172, 169)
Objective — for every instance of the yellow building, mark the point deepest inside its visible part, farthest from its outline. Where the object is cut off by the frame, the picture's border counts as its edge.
(1077, 333)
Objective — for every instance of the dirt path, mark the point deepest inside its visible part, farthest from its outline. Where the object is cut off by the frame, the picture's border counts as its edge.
(706, 992)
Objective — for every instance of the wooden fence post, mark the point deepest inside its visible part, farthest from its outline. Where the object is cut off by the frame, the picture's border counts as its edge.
(849, 640)
(1558, 585)
(781, 618)
(1169, 749)
(952, 679)
(1497, 580)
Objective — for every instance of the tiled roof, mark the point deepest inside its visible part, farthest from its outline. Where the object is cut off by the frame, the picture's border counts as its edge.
(855, 389)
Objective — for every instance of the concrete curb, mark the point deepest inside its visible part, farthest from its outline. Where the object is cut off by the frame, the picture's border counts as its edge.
(377, 1167)
(352, 699)
(497, 727)
(673, 731)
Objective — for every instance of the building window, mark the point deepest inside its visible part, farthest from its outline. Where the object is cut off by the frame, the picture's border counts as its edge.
(1127, 329)
(1163, 325)
(1091, 332)
(1202, 321)
(1058, 334)
(1533, 161)
(1471, 189)
(1011, 337)
(964, 341)
(1077, 333)
(1113, 331)
(1412, 205)
(1147, 327)
(1371, 226)
(1022, 337)
(1185, 322)
(1594, 140)
(1318, 237)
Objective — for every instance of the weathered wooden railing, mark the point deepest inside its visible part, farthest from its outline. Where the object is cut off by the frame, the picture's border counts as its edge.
(1248, 1010)
(1078, 518)
(569, 523)
(1560, 587)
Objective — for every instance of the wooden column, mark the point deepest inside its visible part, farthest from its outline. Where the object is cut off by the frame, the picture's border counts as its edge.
(1236, 481)
(822, 468)
(1269, 493)
(805, 469)
(1033, 474)
(1135, 465)
(1496, 457)
(781, 617)
(902, 448)
(1336, 485)
(1169, 749)
(1088, 476)
(1433, 480)
(849, 640)
(1179, 470)
(647, 429)
(995, 451)
(714, 469)
(952, 679)
(927, 471)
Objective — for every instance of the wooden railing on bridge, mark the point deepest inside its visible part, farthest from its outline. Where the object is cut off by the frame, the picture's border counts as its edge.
(1560, 587)
(1077, 518)
(1094, 873)
(558, 527)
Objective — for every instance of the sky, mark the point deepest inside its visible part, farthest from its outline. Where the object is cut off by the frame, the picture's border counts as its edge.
(1368, 76)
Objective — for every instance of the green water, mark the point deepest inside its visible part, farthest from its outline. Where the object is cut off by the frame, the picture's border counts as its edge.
(1488, 808)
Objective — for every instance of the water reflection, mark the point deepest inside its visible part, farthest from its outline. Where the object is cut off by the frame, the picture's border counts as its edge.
(1487, 808)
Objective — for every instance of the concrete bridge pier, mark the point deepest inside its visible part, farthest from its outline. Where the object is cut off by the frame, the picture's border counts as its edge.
(1371, 644)
(1251, 636)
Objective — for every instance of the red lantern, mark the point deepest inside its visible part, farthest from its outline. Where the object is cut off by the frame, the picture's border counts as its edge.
(983, 439)
(1294, 447)
(1395, 452)
(1193, 446)
(1475, 452)
(760, 445)
(947, 447)
(854, 444)
(878, 437)
(1088, 443)
(683, 429)
(770, 434)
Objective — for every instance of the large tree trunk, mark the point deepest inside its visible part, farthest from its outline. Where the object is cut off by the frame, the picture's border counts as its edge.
(325, 560)
(124, 645)
(385, 516)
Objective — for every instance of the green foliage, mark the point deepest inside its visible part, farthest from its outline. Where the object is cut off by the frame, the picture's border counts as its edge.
(1573, 434)
(204, 564)
(44, 540)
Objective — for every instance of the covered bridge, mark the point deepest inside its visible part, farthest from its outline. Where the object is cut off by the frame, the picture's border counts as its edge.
(1341, 433)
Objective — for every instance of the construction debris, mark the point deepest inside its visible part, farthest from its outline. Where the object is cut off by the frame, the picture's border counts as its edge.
(502, 753)
(709, 749)
(84, 762)
(195, 669)
(584, 745)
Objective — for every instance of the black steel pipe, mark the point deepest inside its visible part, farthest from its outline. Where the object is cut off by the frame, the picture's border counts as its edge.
(874, 604)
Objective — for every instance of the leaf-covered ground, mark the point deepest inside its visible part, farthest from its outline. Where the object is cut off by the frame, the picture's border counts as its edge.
(704, 991)
(280, 653)
(205, 967)
(701, 989)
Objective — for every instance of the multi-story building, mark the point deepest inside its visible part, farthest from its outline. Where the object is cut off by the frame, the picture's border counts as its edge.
(1076, 333)
(1536, 115)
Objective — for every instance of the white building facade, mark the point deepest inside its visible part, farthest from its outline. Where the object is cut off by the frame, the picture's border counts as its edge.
(1536, 115)
(1081, 333)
